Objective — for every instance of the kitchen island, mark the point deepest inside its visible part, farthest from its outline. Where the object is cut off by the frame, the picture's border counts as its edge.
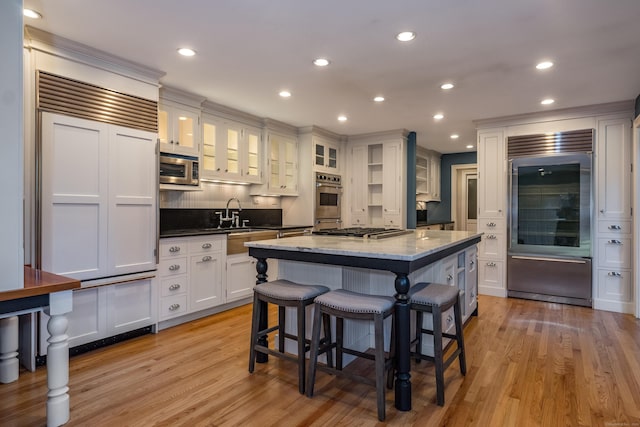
(368, 266)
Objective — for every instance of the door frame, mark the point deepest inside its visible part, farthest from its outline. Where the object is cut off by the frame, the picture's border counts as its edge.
(455, 169)
(635, 187)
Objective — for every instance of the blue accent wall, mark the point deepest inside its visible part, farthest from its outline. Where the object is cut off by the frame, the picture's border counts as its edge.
(441, 211)
(411, 180)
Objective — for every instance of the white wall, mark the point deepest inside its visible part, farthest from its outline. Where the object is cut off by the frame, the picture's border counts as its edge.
(11, 123)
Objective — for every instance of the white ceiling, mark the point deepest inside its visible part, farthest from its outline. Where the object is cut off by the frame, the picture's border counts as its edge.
(249, 50)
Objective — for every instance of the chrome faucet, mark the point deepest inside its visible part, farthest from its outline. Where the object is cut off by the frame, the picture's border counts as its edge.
(227, 218)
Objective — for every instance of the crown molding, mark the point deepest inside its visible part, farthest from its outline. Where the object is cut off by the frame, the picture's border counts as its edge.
(44, 41)
(170, 93)
(229, 113)
(395, 133)
(318, 131)
(281, 127)
(560, 114)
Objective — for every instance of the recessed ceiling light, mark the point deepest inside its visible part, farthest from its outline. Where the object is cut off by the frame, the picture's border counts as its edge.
(342, 118)
(438, 116)
(321, 62)
(455, 136)
(447, 86)
(406, 36)
(30, 13)
(285, 93)
(544, 65)
(469, 146)
(379, 98)
(547, 101)
(185, 51)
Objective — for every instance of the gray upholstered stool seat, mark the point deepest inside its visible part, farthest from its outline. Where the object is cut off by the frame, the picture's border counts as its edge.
(436, 299)
(351, 305)
(283, 293)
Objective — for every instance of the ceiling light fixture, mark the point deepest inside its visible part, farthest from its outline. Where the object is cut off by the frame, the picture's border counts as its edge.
(406, 36)
(547, 101)
(469, 146)
(378, 98)
(544, 65)
(30, 13)
(447, 86)
(438, 116)
(342, 118)
(185, 51)
(321, 62)
(455, 136)
(285, 93)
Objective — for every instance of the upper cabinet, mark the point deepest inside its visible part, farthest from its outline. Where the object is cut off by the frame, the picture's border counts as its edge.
(178, 128)
(280, 177)
(427, 175)
(326, 155)
(230, 150)
(613, 156)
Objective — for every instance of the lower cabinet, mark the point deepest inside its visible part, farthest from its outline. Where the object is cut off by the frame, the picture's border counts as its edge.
(104, 311)
(241, 276)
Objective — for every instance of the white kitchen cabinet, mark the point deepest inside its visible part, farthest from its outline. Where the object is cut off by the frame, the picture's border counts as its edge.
(427, 175)
(326, 155)
(98, 198)
(613, 175)
(470, 299)
(376, 193)
(492, 178)
(178, 128)
(230, 151)
(191, 273)
(241, 276)
(281, 166)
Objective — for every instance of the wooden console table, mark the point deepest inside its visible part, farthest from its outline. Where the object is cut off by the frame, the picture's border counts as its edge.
(53, 294)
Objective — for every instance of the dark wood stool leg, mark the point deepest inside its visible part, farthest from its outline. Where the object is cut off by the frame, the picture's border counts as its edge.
(281, 328)
(301, 345)
(460, 337)
(326, 321)
(339, 332)
(380, 363)
(438, 354)
(419, 328)
(313, 353)
(255, 320)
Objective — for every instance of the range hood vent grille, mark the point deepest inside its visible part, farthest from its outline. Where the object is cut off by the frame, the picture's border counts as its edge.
(73, 98)
(577, 141)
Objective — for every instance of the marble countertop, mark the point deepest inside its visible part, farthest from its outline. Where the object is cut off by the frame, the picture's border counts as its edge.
(407, 247)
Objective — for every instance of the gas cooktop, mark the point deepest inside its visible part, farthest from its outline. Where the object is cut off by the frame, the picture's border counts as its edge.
(371, 232)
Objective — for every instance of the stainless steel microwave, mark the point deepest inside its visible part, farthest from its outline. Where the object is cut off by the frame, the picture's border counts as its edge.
(178, 169)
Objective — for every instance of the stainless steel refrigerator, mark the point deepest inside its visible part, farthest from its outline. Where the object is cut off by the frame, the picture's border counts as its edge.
(549, 252)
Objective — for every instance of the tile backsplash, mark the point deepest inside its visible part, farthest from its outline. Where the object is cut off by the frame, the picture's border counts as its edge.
(214, 195)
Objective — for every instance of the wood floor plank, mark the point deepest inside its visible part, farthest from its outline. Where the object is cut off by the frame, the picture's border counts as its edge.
(528, 364)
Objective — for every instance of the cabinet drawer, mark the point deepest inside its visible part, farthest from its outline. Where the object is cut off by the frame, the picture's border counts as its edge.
(206, 244)
(173, 286)
(173, 248)
(173, 306)
(491, 225)
(490, 274)
(614, 227)
(614, 285)
(492, 245)
(614, 252)
(172, 267)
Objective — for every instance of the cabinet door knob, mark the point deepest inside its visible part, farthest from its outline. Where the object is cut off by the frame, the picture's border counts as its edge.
(601, 211)
(177, 142)
(449, 319)
(449, 278)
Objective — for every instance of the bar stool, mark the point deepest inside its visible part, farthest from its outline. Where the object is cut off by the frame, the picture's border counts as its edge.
(436, 299)
(342, 305)
(284, 293)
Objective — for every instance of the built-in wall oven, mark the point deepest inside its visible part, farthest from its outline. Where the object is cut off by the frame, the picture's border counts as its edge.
(328, 210)
(549, 230)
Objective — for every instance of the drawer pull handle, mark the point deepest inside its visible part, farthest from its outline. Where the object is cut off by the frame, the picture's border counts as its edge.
(449, 319)
(472, 263)
(206, 258)
(174, 249)
(491, 224)
(491, 237)
(449, 278)
(615, 227)
(174, 287)
(174, 307)
(206, 246)
(174, 267)
(615, 242)
(491, 264)
(614, 274)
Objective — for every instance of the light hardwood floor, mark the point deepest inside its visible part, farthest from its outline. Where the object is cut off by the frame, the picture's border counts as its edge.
(529, 364)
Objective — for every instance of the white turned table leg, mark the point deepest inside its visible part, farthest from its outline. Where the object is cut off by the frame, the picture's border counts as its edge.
(9, 364)
(60, 303)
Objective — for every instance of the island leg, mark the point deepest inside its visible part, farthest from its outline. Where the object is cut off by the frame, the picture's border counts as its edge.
(261, 268)
(9, 364)
(403, 343)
